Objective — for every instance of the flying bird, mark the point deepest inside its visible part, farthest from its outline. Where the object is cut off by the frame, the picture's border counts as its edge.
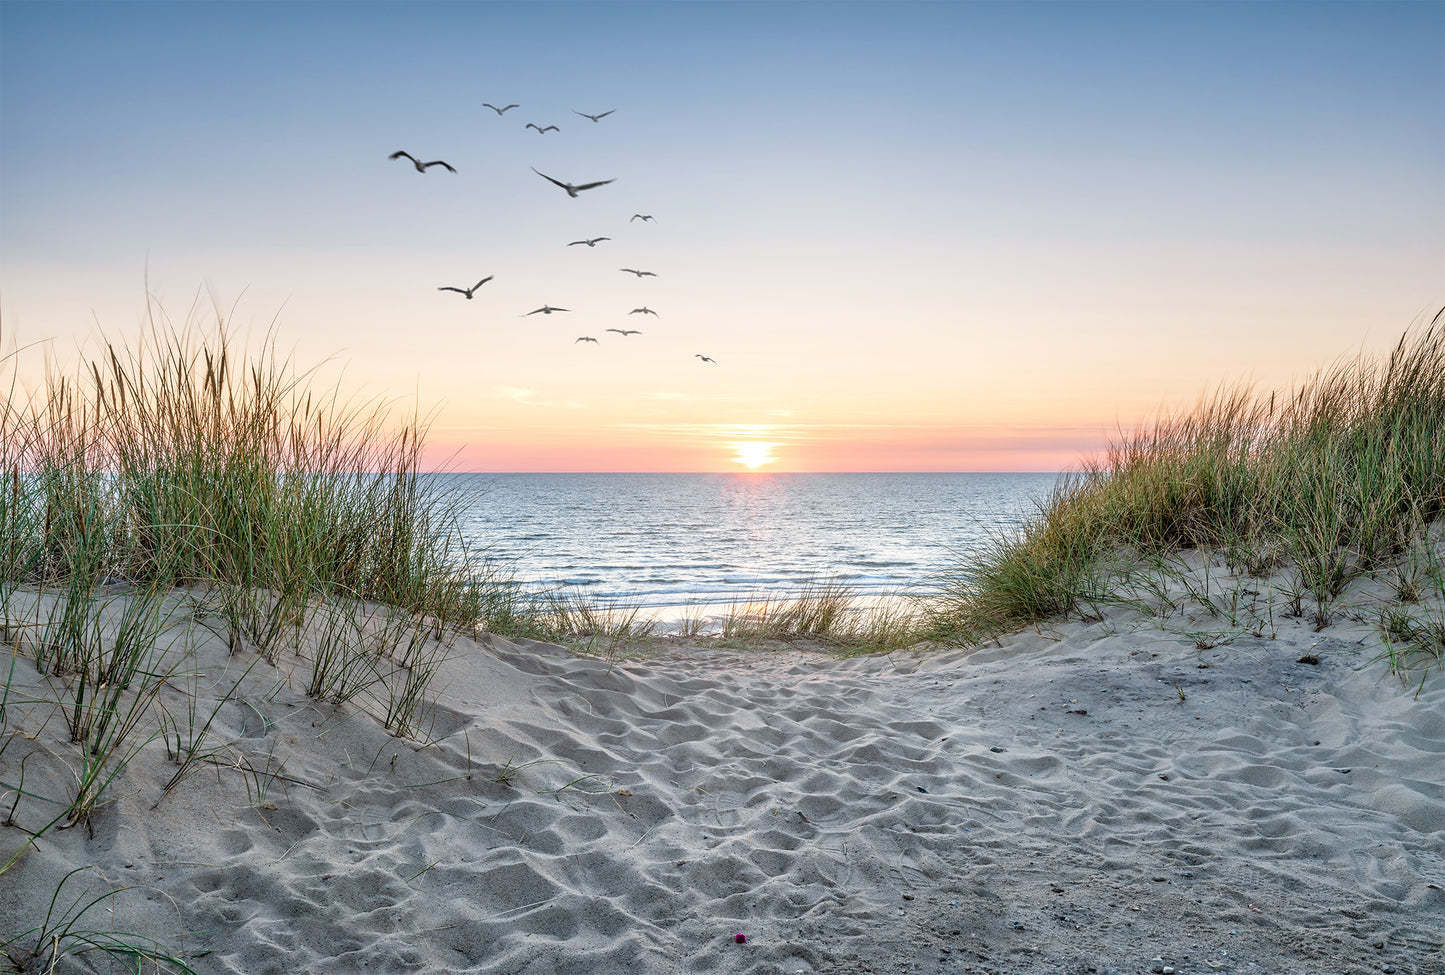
(585, 338)
(595, 118)
(705, 358)
(468, 291)
(421, 167)
(546, 310)
(640, 274)
(644, 310)
(624, 332)
(499, 111)
(540, 130)
(590, 243)
(644, 217)
(572, 191)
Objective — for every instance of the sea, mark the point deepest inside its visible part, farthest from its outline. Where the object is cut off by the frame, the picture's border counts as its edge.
(658, 541)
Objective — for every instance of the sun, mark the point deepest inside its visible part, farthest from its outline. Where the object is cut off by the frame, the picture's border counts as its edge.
(753, 454)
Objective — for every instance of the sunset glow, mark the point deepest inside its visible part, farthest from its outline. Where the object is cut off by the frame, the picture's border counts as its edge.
(754, 454)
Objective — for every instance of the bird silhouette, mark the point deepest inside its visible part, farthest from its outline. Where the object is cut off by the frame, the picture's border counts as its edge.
(644, 217)
(572, 191)
(585, 338)
(545, 310)
(705, 358)
(468, 291)
(590, 243)
(499, 111)
(540, 130)
(644, 310)
(640, 274)
(624, 332)
(595, 118)
(421, 167)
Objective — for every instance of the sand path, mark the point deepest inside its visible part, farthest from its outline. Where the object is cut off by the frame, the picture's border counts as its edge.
(1047, 805)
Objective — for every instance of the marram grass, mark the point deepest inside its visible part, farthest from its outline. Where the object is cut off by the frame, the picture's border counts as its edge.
(186, 461)
(1333, 479)
(187, 480)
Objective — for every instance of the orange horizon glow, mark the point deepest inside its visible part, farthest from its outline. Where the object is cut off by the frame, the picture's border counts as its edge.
(790, 450)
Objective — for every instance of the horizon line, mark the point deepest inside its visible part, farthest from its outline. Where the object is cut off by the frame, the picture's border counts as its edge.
(741, 473)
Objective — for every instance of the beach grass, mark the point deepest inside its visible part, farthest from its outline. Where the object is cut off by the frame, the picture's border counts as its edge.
(188, 479)
(187, 462)
(829, 613)
(606, 627)
(1413, 628)
(1331, 480)
(63, 935)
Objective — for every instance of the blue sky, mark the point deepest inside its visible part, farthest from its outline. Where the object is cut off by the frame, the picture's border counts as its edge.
(914, 236)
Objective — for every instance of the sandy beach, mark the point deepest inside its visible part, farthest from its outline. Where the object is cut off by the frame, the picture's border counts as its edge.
(1092, 796)
(843, 487)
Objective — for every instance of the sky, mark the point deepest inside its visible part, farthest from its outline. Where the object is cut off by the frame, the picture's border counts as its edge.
(912, 236)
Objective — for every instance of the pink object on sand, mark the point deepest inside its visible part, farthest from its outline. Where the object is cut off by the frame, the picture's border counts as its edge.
(740, 938)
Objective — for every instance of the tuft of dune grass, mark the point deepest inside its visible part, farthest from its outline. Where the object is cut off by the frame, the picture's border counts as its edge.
(828, 612)
(187, 460)
(182, 480)
(1330, 480)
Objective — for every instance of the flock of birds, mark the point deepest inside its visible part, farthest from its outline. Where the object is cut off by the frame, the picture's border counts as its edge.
(572, 190)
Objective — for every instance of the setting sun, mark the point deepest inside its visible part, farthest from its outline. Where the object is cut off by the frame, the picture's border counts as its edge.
(754, 453)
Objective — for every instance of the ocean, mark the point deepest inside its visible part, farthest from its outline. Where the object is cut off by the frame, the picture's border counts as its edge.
(665, 540)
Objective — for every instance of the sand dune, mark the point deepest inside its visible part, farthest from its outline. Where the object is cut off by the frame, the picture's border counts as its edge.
(1104, 796)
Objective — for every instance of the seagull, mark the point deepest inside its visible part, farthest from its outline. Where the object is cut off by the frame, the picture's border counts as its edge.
(421, 167)
(705, 358)
(624, 332)
(640, 274)
(540, 130)
(546, 310)
(644, 310)
(572, 191)
(590, 243)
(585, 338)
(468, 291)
(644, 217)
(499, 111)
(595, 118)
